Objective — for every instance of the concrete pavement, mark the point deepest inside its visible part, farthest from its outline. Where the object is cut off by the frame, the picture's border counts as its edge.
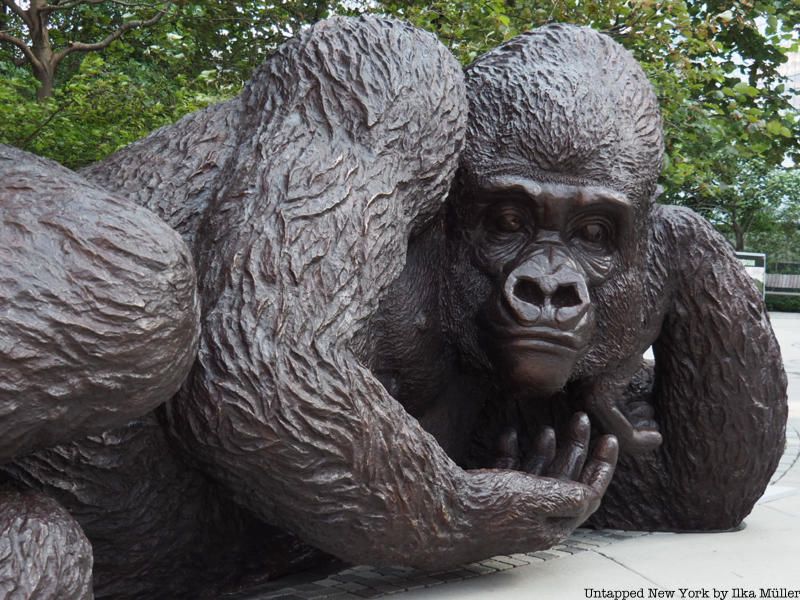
(760, 561)
(787, 330)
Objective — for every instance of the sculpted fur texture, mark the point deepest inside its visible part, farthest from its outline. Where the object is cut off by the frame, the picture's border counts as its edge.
(404, 325)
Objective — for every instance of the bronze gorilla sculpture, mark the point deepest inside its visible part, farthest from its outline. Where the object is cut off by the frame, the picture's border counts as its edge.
(396, 307)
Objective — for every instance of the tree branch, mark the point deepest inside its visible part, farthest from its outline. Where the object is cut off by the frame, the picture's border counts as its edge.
(131, 4)
(67, 5)
(17, 10)
(4, 37)
(104, 43)
(23, 143)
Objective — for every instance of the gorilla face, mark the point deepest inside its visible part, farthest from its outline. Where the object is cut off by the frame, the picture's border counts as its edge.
(552, 203)
(544, 247)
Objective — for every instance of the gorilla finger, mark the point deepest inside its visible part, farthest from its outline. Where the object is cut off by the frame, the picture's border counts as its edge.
(599, 469)
(641, 411)
(612, 421)
(508, 450)
(542, 453)
(644, 440)
(577, 500)
(631, 440)
(569, 460)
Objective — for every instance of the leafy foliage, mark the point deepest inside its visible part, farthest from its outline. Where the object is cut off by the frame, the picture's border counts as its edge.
(197, 56)
(768, 211)
(713, 64)
(102, 107)
(727, 114)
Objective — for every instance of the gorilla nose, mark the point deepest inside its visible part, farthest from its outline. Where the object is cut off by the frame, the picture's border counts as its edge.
(537, 292)
(538, 296)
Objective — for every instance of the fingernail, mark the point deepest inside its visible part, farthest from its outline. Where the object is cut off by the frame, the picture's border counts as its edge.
(607, 448)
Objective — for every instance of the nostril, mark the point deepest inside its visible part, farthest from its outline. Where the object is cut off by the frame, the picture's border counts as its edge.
(566, 296)
(530, 292)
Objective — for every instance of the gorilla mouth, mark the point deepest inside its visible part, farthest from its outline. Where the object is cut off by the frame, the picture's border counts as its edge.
(540, 338)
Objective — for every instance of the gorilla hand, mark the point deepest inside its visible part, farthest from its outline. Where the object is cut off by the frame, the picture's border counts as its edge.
(618, 409)
(573, 482)
(568, 463)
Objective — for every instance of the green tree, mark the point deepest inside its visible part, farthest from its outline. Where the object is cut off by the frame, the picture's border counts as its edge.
(766, 212)
(234, 38)
(43, 34)
(713, 65)
(750, 200)
(142, 80)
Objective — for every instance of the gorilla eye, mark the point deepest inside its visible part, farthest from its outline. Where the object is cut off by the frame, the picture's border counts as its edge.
(594, 233)
(508, 221)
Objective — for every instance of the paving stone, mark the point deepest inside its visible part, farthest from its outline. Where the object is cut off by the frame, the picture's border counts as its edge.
(313, 591)
(366, 581)
(368, 593)
(479, 569)
(560, 551)
(388, 588)
(453, 575)
(395, 571)
(417, 586)
(352, 586)
(536, 559)
(368, 574)
(515, 560)
(541, 554)
(496, 565)
(327, 582)
(574, 547)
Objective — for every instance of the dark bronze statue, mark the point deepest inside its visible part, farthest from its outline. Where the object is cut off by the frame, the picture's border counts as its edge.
(408, 279)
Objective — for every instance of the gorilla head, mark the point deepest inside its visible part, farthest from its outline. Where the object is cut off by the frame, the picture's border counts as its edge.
(549, 215)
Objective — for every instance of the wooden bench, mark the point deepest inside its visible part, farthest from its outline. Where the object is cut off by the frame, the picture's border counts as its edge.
(783, 284)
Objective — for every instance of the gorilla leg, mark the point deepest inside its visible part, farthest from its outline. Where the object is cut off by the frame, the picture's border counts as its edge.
(43, 551)
(98, 307)
(158, 529)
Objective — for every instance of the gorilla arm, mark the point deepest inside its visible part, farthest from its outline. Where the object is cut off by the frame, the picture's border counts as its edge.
(350, 137)
(98, 307)
(719, 392)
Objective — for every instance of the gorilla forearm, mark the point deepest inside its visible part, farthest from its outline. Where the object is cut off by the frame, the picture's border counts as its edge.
(346, 468)
(719, 393)
(350, 158)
